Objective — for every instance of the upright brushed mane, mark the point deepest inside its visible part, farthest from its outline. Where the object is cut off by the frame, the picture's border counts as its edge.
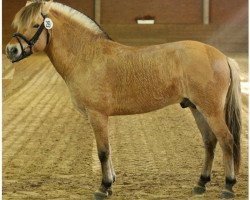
(76, 16)
(30, 13)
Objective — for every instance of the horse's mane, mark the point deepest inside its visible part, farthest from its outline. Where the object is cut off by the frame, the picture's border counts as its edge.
(31, 12)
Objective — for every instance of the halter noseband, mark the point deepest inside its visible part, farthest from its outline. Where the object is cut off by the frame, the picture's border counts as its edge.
(30, 42)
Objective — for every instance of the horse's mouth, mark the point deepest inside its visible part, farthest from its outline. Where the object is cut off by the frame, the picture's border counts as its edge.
(11, 58)
(16, 59)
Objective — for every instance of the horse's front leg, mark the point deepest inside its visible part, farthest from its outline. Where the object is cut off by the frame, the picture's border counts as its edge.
(99, 123)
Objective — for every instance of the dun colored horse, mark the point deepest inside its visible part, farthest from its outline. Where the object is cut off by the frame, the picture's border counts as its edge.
(106, 78)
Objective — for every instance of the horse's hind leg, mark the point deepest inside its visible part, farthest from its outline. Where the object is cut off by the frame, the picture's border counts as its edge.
(225, 139)
(209, 143)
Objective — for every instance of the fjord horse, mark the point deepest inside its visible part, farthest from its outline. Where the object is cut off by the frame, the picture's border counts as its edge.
(106, 78)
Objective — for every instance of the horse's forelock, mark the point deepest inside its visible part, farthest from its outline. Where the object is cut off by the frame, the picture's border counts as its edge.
(27, 15)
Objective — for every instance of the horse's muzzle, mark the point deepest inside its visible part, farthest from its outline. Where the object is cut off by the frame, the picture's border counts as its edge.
(12, 52)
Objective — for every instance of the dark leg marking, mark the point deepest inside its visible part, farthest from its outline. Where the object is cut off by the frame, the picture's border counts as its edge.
(204, 180)
(187, 103)
(200, 188)
(230, 183)
(106, 184)
(228, 192)
(103, 157)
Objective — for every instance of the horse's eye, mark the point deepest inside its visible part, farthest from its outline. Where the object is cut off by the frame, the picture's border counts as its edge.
(36, 26)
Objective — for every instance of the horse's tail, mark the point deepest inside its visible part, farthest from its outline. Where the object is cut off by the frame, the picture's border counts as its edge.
(233, 110)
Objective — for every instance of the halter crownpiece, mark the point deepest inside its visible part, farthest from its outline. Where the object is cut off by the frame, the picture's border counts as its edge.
(34, 39)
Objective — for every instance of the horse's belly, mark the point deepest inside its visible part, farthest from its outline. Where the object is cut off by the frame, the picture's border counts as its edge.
(130, 110)
(145, 101)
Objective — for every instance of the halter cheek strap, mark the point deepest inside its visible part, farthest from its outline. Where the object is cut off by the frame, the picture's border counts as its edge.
(31, 42)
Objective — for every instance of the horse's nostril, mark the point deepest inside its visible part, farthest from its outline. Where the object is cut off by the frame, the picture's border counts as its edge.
(14, 50)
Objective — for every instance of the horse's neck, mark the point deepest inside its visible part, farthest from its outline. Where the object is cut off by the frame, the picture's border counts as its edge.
(71, 45)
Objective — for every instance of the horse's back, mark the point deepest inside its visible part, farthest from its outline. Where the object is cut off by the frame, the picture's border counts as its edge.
(149, 78)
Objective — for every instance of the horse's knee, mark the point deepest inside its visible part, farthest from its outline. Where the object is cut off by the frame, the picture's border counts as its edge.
(103, 155)
(210, 146)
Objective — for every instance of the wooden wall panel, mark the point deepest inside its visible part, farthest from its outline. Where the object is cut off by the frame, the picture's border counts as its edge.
(229, 12)
(86, 6)
(165, 11)
(227, 38)
(10, 8)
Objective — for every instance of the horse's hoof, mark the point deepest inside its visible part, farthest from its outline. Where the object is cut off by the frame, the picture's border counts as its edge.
(226, 194)
(102, 193)
(109, 192)
(198, 190)
(99, 195)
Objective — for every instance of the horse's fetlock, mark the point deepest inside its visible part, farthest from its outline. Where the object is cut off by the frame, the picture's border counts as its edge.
(204, 180)
(107, 183)
(230, 181)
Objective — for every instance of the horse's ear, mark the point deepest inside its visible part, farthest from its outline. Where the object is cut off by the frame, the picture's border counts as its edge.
(28, 3)
(33, 1)
(47, 0)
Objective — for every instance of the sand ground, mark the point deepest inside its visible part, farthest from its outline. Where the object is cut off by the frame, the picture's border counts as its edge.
(49, 148)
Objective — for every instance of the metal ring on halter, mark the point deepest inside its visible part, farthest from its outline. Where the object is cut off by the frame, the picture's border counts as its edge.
(30, 42)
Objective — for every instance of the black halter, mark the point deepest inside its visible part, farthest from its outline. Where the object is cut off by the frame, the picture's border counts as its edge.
(30, 42)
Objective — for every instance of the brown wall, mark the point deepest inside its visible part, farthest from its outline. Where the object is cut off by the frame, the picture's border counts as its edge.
(229, 11)
(228, 20)
(10, 7)
(165, 11)
(85, 6)
(174, 12)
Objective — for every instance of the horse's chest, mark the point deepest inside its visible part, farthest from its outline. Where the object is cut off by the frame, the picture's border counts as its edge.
(90, 95)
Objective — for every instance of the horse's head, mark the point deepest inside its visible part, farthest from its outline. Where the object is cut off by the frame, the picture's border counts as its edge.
(33, 34)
